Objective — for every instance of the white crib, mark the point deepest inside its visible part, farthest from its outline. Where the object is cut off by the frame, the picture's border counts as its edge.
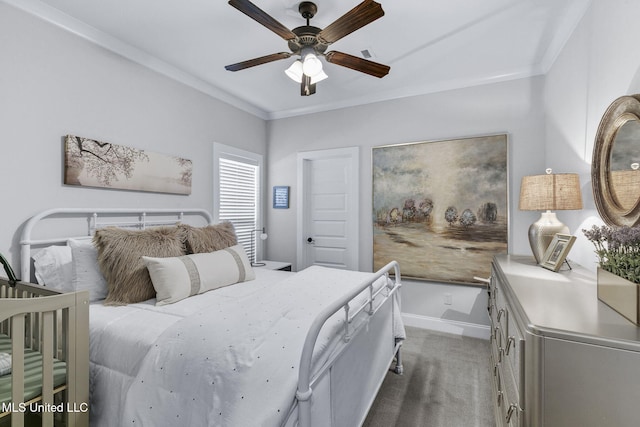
(47, 334)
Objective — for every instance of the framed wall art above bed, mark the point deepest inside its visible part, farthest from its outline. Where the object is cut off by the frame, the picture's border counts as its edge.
(441, 207)
(91, 163)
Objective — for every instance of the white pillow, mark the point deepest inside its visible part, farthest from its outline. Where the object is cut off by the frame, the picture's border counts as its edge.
(86, 274)
(53, 267)
(176, 278)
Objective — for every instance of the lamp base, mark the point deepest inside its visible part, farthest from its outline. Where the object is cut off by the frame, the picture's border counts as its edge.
(542, 231)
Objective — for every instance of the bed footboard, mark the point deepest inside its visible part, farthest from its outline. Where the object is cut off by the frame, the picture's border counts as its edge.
(47, 336)
(373, 330)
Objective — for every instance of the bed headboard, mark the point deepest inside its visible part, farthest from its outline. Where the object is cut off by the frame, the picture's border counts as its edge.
(56, 226)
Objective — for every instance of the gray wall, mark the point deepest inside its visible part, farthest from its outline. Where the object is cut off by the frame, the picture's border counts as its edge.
(513, 107)
(54, 83)
(600, 63)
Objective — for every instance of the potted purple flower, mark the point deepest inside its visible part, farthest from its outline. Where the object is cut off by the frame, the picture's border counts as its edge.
(618, 251)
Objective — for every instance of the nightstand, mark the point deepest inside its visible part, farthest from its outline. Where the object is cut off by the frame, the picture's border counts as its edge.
(274, 265)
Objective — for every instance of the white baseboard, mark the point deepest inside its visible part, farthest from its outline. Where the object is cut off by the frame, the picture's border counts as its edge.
(449, 326)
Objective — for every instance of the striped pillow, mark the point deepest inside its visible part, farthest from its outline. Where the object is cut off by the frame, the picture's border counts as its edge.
(176, 278)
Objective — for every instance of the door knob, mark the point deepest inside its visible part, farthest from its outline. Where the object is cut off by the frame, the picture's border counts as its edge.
(310, 240)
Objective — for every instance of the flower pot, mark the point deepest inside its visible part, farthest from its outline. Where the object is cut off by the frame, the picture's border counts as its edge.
(619, 294)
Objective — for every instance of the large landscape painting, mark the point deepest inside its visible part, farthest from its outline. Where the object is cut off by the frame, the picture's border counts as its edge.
(441, 208)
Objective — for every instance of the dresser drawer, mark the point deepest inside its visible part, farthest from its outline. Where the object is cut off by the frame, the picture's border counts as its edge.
(495, 344)
(513, 348)
(512, 405)
(491, 295)
(507, 346)
(501, 315)
(497, 307)
(498, 394)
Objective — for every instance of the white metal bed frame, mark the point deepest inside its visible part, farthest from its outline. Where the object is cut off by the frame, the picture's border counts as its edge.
(99, 218)
(96, 219)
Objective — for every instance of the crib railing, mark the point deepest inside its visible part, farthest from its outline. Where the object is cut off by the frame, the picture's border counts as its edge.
(56, 325)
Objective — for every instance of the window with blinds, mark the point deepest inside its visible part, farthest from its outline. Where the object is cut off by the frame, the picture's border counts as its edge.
(238, 195)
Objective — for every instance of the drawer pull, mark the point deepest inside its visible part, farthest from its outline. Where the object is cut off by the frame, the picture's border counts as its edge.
(512, 408)
(499, 398)
(511, 340)
(500, 313)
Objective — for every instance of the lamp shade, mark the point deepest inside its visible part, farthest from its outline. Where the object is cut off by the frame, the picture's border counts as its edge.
(550, 192)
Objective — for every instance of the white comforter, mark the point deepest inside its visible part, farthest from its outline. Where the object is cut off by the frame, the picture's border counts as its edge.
(228, 357)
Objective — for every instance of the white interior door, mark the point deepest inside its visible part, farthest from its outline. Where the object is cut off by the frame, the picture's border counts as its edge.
(327, 232)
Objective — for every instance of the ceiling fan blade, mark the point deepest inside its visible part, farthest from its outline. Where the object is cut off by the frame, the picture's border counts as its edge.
(260, 16)
(361, 15)
(355, 63)
(257, 61)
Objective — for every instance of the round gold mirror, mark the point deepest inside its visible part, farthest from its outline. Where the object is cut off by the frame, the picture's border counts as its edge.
(615, 171)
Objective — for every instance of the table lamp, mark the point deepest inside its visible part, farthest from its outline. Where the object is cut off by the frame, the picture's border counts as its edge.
(548, 193)
(263, 236)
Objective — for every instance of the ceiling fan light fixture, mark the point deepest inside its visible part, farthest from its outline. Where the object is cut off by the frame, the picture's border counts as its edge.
(295, 71)
(319, 77)
(311, 65)
(309, 42)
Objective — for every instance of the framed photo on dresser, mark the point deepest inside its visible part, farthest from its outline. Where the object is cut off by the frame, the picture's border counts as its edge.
(557, 251)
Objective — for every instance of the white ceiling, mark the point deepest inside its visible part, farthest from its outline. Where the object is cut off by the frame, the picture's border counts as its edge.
(431, 45)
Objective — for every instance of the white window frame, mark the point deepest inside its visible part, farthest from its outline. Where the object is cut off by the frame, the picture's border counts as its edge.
(237, 154)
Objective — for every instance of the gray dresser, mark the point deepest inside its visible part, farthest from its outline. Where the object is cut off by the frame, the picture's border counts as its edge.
(560, 357)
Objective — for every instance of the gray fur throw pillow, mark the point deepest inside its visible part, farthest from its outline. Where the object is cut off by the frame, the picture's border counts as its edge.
(120, 254)
(210, 238)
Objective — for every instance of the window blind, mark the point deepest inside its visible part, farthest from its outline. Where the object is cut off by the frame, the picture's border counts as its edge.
(239, 189)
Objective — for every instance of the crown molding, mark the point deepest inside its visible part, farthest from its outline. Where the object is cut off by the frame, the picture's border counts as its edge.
(100, 38)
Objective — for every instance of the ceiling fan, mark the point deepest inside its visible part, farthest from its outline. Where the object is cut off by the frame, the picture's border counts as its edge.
(311, 42)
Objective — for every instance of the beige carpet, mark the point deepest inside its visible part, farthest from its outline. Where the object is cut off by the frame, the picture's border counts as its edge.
(446, 383)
